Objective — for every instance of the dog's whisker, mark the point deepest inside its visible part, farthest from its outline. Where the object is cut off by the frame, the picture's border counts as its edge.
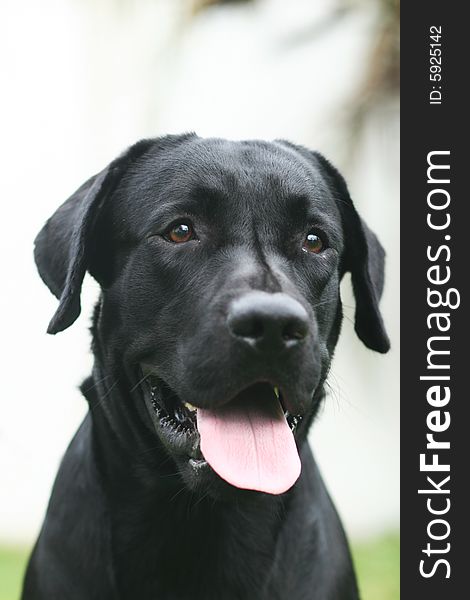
(180, 491)
(324, 303)
(202, 498)
(334, 394)
(105, 395)
(140, 382)
(343, 400)
(348, 318)
(95, 384)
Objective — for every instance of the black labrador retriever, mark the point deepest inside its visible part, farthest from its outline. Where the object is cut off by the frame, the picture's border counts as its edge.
(191, 477)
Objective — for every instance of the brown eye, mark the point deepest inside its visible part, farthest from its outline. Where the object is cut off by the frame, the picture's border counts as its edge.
(180, 233)
(312, 243)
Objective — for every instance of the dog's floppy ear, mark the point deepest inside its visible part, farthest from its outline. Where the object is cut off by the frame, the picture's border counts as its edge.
(364, 257)
(63, 246)
(366, 264)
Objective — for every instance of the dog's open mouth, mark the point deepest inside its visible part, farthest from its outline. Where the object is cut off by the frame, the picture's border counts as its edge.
(249, 441)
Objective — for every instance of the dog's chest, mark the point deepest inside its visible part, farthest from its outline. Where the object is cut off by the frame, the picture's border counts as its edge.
(206, 556)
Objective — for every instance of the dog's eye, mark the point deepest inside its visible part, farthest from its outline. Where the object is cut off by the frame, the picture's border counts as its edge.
(312, 243)
(180, 233)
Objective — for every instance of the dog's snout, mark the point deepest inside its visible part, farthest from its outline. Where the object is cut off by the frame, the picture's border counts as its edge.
(271, 321)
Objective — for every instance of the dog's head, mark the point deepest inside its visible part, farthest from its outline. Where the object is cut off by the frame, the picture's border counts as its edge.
(219, 264)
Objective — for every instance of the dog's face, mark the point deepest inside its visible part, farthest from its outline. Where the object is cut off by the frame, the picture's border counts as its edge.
(220, 264)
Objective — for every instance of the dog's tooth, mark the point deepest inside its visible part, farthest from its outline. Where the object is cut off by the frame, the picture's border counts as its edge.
(276, 391)
(190, 407)
(294, 421)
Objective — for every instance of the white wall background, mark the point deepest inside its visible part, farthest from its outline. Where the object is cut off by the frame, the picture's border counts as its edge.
(81, 80)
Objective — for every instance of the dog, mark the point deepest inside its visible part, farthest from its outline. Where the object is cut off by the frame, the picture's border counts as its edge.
(191, 477)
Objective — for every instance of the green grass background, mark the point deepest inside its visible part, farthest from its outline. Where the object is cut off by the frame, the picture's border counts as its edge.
(377, 565)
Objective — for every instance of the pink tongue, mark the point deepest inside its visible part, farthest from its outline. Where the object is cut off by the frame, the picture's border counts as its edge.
(249, 443)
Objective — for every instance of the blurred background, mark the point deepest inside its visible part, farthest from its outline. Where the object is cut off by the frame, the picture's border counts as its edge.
(83, 79)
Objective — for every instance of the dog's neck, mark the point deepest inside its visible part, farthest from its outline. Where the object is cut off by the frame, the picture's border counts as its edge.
(158, 526)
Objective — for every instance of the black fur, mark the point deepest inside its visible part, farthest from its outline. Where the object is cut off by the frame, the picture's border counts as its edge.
(129, 517)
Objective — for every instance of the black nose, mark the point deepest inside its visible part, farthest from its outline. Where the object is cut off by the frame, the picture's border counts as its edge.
(268, 320)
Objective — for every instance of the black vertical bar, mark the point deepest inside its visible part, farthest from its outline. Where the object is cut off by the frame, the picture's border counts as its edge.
(430, 127)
